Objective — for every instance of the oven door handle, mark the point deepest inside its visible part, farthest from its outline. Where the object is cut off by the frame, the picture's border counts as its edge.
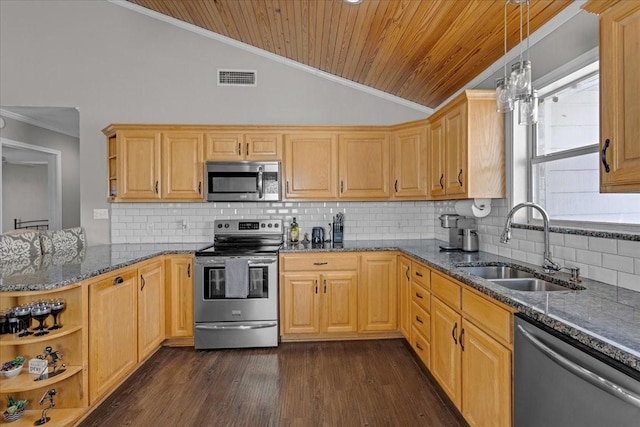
(236, 327)
(218, 263)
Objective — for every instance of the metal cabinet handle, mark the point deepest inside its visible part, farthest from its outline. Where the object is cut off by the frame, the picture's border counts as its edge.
(460, 177)
(419, 274)
(441, 178)
(200, 187)
(156, 187)
(461, 336)
(406, 273)
(118, 280)
(419, 320)
(247, 148)
(396, 185)
(144, 282)
(453, 333)
(189, 270)
(316, 286)
(615, 390)
(419, 347)
(603, 156)
(341, 186)
(320, 263)
(419, 296)
(325, 286)
(239, 149)
(287, 187)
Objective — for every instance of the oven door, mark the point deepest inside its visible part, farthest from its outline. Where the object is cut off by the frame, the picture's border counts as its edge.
(210, 303)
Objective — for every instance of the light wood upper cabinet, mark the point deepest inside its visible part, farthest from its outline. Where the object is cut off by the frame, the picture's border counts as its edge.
(378, 293)
(139, 164)
(113, 320)
(182, 166)
(619, 95)
(150, 307)
(237, 146)
(149, 164)
(179, 296)
(409, 180)
(311, 165)
(364, 166)
(466, 148)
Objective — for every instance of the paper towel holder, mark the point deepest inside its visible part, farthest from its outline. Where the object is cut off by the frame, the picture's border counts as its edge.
(477, 208)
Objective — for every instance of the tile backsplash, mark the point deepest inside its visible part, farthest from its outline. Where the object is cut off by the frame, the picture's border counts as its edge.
(612, 261)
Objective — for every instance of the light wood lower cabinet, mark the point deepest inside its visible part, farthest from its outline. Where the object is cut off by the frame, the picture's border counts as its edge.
(150, 307)
(179, 296)
(113, 330)
(471, 355)
(378, 293)
(404, 296)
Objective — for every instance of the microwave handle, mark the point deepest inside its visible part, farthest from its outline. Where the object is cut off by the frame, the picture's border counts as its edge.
(260, 183)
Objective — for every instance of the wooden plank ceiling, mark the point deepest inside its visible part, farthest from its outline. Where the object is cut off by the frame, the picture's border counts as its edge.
(419, 50)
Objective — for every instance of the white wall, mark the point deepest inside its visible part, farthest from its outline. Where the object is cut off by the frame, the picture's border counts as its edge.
(24, 194)
(69, 147)
(119, 66)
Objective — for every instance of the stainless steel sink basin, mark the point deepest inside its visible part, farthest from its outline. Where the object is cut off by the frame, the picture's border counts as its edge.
(491, 272)
(529, 285)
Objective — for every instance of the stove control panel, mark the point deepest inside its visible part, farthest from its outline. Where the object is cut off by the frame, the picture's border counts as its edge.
(248, 226)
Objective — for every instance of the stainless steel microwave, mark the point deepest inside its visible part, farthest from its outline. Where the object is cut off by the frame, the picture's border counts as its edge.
(242, 181)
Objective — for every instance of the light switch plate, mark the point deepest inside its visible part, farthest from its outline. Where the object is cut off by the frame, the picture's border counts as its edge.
(101, 214)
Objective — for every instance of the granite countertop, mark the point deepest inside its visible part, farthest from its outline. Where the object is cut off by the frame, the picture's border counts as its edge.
(603, 317)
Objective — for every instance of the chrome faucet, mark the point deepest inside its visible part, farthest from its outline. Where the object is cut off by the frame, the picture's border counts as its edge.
(548, 264)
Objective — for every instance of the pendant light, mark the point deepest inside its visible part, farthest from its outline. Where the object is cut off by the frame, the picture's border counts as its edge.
(515, 88)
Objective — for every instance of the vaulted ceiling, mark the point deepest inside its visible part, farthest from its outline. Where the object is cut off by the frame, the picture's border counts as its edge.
(419, 50)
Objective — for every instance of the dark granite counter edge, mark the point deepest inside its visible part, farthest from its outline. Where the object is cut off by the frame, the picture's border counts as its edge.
(582, 336)
(582, 232)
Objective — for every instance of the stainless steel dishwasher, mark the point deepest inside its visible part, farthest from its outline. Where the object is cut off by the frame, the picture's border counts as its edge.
(560, 382)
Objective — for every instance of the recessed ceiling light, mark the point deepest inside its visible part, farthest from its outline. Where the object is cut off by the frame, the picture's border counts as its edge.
(353, 1)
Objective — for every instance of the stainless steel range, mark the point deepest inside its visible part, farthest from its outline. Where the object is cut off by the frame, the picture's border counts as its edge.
(236, 286)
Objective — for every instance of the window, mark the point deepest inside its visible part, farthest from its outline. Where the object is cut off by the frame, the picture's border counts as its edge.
(564, 159)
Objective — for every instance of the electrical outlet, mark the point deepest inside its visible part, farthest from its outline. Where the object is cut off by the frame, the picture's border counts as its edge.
(101, 214)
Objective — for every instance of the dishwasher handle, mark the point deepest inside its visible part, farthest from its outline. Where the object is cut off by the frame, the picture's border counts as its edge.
(582, 372)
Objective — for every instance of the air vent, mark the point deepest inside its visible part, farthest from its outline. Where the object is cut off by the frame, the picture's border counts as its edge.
(237, 78)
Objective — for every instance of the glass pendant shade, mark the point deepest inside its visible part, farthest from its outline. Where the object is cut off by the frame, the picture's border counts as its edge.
(521, 79)
(504, 95)
(528, 109)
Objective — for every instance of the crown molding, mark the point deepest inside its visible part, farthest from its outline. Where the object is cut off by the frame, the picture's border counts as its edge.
(34, 122)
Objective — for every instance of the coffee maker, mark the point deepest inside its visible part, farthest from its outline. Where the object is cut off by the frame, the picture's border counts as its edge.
(457, 226)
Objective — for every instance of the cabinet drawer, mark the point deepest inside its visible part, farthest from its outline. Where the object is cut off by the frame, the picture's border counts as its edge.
(421, 346)
(421, 320)
(492, 319)
(319, 262)
(446, 290)
(421, 274)
(420, 296)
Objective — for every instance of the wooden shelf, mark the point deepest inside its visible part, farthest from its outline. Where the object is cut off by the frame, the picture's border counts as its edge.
(59, 417)
(25, 381)
(12, 339)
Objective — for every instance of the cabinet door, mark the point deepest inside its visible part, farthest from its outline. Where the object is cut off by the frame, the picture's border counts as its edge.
(223, 146)
(150, 307)
(364, 166)
(409, 170)
(263, 146)
(139, 157)
(179, 296)
(311, 162)
(300, 303)
(445, 351)
(378, 293)
(340, 302)
(404, 295)
(455, 179)
(182, 166)
(619, 94)
(113, 349)
(486, 379)
(436, 151)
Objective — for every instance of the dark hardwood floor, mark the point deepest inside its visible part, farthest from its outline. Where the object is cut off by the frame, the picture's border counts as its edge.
(346, 383)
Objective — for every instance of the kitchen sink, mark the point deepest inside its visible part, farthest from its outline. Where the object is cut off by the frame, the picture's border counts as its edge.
(491, 272)
(529, 285)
